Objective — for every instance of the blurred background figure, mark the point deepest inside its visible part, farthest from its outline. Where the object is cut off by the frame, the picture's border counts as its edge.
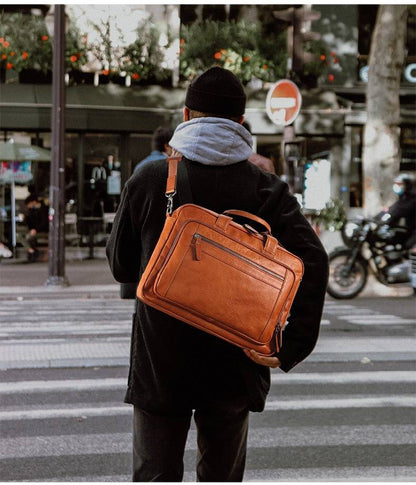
(36, 218)
(256, 159)
(160, 146)
(404, 207)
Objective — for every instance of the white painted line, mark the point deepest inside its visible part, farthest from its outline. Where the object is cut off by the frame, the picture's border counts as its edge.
(347, 345)
(408, 401)
(61, 386)
(87, 412)
(371, 377)
(343, 475)
(378, 320)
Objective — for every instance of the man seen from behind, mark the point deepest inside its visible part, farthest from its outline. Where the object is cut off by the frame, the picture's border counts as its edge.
(176, 370)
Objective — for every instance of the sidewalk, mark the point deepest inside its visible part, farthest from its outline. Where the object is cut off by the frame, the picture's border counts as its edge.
(87, 278)
(92, 278)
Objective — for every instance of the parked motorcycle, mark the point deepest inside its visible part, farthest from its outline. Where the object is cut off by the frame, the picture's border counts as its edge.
(370, 245)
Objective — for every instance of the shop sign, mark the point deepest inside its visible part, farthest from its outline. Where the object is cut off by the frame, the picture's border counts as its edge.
(409, 73)
(17, 172)
(283, 102)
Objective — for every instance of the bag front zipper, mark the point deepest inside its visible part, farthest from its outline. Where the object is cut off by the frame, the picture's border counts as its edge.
(198, 254)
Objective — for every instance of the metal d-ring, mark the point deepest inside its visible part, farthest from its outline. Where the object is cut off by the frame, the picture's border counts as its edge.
(169, 208)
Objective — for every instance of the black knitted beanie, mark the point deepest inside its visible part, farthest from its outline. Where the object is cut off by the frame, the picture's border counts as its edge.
(217, 91)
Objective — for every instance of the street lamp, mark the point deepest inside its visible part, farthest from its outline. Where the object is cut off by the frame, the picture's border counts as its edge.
(56, 267)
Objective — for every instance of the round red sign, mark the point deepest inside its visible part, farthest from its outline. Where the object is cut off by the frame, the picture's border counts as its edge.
(283, 102)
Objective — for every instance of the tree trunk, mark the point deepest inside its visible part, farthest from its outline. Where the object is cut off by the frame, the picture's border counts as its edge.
(381, 143)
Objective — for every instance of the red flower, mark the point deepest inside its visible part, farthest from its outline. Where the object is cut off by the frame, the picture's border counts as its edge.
(25, 55)
(4, 56)
(331, 78)
(135, 76)
(45, 38)
(12, 53)
(333, 54)
(265, 66)
(217, 55)
(323, 57)
(74, 58)
(6, 44)
(246, 58)
(335, 61)
(1, 40)
(9, 65)
(106, 72)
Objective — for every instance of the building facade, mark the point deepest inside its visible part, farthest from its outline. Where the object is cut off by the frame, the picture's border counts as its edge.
(109, 126)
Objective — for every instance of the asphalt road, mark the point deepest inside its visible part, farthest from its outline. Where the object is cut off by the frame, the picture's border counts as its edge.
(346, 413)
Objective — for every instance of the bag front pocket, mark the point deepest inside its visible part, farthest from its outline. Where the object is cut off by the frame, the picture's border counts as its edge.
(222, 286)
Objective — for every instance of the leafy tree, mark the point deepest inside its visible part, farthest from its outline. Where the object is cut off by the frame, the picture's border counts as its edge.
(381, 144)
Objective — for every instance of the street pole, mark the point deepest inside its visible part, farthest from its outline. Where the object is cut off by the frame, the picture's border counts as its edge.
(56, 269)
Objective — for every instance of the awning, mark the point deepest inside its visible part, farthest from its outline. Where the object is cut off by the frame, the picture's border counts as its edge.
(90, 108)
(141, 109)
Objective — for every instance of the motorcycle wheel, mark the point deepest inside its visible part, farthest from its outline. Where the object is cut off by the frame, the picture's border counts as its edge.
(341, 285)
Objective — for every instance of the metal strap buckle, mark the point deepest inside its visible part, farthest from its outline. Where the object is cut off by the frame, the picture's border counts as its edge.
(169, 208)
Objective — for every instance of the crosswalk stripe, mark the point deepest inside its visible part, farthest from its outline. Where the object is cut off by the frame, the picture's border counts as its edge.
(341, 402)
(61, 311)
(370, 377)
(340, 474)
(346, 377)
(378, 320)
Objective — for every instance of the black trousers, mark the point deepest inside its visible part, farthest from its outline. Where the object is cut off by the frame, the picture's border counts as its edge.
(159, 445)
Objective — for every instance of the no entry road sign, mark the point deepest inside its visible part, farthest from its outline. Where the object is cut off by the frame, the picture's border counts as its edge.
(283, 102)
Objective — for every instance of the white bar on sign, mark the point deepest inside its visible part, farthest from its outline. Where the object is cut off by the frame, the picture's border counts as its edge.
(277, 103)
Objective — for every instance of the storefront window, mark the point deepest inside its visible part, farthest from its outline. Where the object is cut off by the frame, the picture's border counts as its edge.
(102, 174)
(408, 148)
(139, 147)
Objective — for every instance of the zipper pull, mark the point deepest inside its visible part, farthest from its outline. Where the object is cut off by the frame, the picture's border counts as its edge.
(279, 336)
(197, 247)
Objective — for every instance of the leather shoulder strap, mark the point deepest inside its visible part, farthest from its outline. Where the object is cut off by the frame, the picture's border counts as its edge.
(172, 173)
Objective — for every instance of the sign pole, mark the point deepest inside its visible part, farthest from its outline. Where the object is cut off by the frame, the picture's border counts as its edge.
(283, 104)
(13, 212)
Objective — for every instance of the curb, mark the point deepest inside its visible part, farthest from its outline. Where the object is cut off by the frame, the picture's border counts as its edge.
(76, 291)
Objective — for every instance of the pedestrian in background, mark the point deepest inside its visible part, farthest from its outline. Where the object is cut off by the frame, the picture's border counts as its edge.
(160, 146)
(404, 207)
(259, 160)
(37, 220)
(175, 369)
(160, 151)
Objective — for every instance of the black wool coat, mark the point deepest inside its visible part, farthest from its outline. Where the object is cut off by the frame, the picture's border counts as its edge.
(173, 366)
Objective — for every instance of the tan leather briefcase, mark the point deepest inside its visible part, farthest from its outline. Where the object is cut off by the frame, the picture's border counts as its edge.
(220, 276)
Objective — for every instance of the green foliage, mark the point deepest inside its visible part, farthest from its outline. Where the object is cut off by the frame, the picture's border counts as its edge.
(144, 58)
(26, 43)
(103, 50)
(238, 46)
(334, 216)
(75, 48)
